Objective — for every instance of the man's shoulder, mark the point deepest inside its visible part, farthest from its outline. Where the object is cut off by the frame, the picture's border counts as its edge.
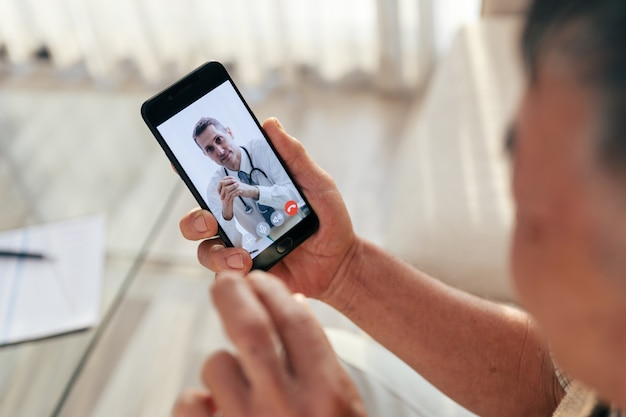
(255, 144)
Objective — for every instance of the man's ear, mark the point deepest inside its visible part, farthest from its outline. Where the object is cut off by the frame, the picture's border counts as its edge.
(230, 132)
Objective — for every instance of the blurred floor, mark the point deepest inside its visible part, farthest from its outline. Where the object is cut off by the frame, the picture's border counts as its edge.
(165, 325)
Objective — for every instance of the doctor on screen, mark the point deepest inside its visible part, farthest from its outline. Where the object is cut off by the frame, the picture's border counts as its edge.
(251, 186)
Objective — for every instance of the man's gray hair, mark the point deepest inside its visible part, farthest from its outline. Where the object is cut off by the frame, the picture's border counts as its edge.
(202, 125)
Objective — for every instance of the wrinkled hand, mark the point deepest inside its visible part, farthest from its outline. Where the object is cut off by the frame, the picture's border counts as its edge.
(284, 366)
(317, 267)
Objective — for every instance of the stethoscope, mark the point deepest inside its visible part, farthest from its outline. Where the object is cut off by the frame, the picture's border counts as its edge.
(246, 205)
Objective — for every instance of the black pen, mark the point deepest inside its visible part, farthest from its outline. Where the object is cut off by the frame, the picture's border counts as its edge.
(21, 254)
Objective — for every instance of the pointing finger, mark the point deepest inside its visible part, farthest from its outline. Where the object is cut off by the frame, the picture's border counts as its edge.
(303, 339)
(251, 330)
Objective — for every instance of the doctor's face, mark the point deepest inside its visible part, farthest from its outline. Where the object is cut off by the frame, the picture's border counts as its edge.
(220, 147)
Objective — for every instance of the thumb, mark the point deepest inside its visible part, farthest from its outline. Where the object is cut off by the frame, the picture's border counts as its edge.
(300, 164)
(287, 146)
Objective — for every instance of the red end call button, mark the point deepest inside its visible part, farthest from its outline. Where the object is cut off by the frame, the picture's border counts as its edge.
(291, 208)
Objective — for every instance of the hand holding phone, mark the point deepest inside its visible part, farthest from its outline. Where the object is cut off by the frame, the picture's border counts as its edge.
(322, 259)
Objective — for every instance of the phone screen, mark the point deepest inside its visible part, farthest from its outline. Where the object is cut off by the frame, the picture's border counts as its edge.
(227, 159)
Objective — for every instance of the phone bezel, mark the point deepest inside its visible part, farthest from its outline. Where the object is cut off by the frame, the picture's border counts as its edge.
(176, 98)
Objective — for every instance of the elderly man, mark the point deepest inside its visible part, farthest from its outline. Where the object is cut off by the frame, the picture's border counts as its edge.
(568, 259)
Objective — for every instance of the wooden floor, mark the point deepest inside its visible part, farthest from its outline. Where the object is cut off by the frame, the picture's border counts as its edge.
(164, 327)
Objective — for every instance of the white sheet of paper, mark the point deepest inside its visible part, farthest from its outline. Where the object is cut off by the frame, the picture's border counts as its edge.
(40, 298)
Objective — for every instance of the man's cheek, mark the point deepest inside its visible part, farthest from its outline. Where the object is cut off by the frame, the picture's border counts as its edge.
(530, 258)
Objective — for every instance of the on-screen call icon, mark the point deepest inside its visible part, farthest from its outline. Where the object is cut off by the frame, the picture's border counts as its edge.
(291, 208)
(277, 218)
(262, 229)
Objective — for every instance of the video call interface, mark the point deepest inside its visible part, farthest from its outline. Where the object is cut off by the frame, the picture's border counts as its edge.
(233, 168)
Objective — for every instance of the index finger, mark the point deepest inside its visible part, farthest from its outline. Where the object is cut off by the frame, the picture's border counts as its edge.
(308, 175)
(251, 330)
(302, 337)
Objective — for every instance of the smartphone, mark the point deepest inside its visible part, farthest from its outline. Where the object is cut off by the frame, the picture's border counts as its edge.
(220, 151)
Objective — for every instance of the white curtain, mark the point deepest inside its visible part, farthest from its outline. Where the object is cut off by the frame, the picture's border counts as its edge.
(392, 43)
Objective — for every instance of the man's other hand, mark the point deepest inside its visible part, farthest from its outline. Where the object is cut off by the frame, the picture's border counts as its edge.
(283, 365)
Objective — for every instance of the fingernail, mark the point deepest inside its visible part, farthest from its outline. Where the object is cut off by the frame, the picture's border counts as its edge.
(235, 261)
(278, 122)
(200, 225)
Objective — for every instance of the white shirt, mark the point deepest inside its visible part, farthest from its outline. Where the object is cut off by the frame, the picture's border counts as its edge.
(274, 191)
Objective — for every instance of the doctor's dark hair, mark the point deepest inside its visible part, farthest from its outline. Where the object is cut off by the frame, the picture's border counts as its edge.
(592, 36)
(203, 124)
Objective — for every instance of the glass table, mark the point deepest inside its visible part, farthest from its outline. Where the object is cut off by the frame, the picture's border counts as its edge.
(65, 154)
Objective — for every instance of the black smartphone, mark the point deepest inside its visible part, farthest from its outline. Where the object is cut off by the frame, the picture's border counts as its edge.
(220, 151)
